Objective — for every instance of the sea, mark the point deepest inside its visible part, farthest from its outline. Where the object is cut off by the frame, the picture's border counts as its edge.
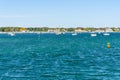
(47, 56)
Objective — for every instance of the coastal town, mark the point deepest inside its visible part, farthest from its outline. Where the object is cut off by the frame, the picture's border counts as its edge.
(55, 30)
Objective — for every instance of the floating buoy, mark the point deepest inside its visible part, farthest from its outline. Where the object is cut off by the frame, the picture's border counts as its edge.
(108, 45)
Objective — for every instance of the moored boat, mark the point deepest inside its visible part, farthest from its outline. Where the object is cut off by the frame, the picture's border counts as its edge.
(11, 34)
(106, 34)
(93, 34)
(73, 34)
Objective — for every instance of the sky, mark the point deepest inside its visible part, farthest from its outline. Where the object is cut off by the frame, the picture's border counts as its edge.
(60, 13)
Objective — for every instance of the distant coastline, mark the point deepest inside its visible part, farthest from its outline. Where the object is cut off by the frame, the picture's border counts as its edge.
(55, 30)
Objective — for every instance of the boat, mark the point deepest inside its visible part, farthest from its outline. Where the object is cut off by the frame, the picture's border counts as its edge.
(11, 34)
(93, 34)
(58, 33)
(73, 34)
(38, 32)
(106, 34)
(63, 32)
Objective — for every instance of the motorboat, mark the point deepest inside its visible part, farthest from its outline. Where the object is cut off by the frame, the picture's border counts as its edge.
(73, 34)
(93, 34)
(106, 34)
(11, 34)
(58, 33)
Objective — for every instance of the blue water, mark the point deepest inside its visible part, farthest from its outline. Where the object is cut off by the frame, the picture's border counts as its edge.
(59, 57)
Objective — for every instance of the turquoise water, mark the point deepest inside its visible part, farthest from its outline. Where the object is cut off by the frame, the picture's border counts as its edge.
(59, 57)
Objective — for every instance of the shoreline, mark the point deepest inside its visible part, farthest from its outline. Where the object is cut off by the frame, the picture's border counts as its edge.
(50, 32)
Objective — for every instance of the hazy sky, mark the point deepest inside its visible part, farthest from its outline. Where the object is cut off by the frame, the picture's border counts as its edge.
(60, 13)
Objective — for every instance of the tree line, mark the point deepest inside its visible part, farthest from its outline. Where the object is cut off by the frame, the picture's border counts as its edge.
(46, 29)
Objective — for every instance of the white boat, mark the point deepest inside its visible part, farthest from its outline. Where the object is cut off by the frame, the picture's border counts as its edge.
(58, 33)
(93, 34)
(38, 32)
(63, 32)
(99, 32)
(73, 34)
(11, 34)
(106, 34)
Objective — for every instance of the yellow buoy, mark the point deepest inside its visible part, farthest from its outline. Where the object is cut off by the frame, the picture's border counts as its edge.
(108, 45)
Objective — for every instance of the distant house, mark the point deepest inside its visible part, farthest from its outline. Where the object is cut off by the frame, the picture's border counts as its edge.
(79, 30)
(51, 30)
(116, 29)
(100, 31)
(22, 29)
(108, 30)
